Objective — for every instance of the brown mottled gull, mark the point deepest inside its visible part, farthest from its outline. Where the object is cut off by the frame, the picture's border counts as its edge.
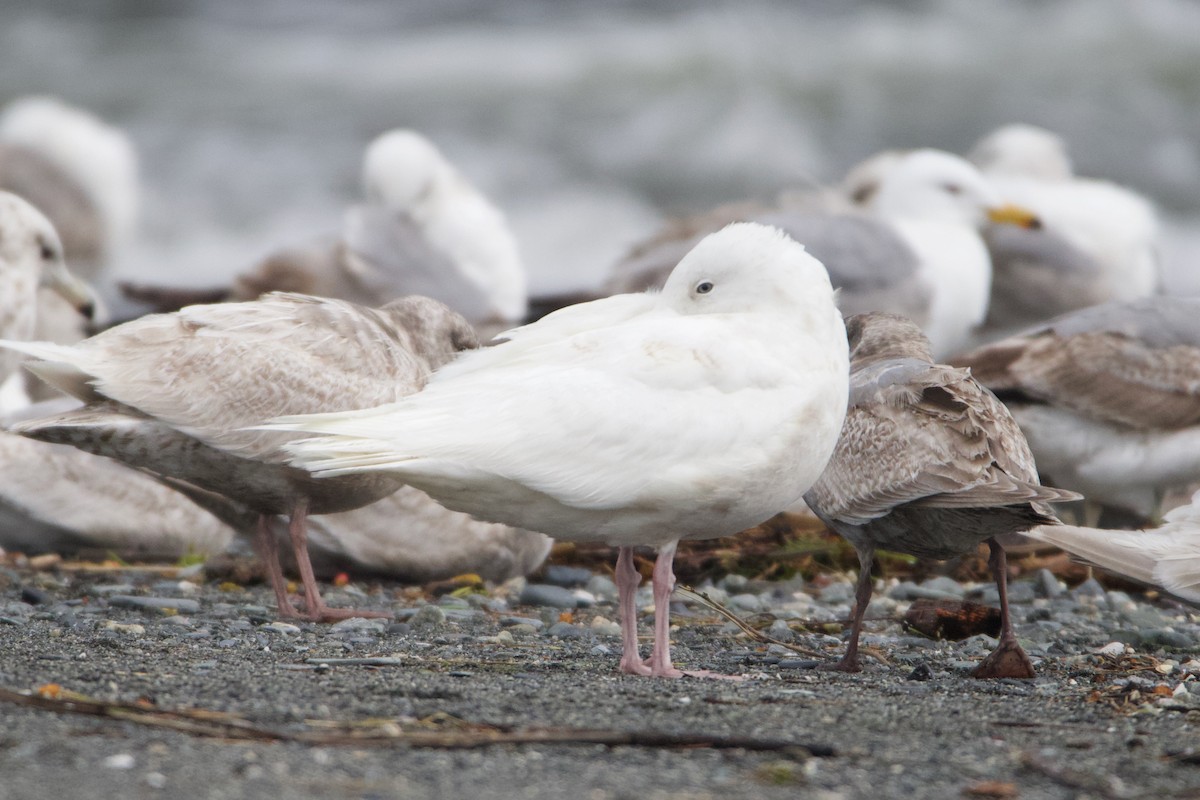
(1109, 398)
(929, 463)
(174, 394)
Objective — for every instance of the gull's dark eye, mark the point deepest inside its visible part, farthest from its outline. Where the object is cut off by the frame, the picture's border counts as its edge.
(704, 287)
(48, 253)
(952, 188)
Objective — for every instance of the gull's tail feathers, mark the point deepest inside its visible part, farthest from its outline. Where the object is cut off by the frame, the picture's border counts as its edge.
(1167, 557)
(62, 366)
(347, 442)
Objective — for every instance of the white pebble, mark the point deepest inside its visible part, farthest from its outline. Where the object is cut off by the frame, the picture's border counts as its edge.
(119, 761)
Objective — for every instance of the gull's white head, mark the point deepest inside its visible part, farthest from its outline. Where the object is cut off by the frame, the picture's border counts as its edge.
(32, 255)
(27, 239)
(96, 155)
(747, 267)
(402, 169)
(1024, 150)
(939, 186)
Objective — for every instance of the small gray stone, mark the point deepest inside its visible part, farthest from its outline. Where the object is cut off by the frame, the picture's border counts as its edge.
(745, 602)
(565, 630)
(943, 583)
(1047, 585)
(1164, 637)
(450, 601)
(797, 663)
(1089, 588)
(182, 605)
(781, 630)
(428, 617)
(359, 625)
(286, 628)
(542, 594)
(733, 583)
(837, 593)
(565, 576)
(602, 587)
(33, 596)
(508, 622)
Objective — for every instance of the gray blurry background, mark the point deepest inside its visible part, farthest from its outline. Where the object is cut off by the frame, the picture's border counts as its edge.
(587, 121)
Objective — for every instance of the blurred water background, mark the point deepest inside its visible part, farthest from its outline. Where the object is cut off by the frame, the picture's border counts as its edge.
(587, 121)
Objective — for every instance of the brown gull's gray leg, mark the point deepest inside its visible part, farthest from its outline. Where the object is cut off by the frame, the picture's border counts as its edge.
(1008, 660)
(268, 551)
(862, 599)
(315, 608)
(628, 580)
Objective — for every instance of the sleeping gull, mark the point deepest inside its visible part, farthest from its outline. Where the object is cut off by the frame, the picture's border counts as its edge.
(929, 463)
(914, 249)
(30, 256)
(636, 420)
(173, 394)
(1109, 398)
(424, 229)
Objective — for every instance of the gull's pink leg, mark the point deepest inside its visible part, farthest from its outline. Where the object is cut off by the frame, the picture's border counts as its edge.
(268, 551)
(628, 580)
(664, 584)
(315, 607)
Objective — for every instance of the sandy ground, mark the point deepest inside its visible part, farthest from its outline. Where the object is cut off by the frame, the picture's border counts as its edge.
(1076, 731)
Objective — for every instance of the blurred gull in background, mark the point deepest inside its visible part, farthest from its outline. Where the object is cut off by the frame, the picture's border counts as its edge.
(915, 249)
(1109, 398)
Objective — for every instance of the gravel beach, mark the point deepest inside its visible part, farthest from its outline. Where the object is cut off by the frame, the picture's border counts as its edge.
(514, 692)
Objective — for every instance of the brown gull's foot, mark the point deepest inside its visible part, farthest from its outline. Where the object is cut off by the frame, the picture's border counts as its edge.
(1008, 660)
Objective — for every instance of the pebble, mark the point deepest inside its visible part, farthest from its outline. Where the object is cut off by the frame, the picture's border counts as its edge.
(536, 624)
(359, 625)
(565, 630)
(602, 587)
(428, 617)
(129, 629)
(837, 593)
(34, 596)
(1165, 637)
(119, 761)
(567, 576)
(1090, 588)
(181, 605)
(602, 626)
(733, 583)
(781, 630)
(745, 602)
(285, 628)
(543, 594)
(1046, 585)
